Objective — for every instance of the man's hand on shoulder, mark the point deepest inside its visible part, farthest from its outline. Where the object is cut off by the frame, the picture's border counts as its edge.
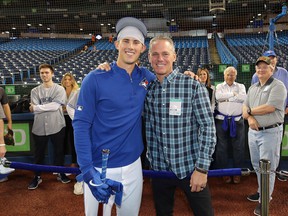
(104, 66)
(192, 75)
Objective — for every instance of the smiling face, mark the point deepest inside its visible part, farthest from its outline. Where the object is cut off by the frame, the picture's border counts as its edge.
(264, 71)
(161, 56)
(129, 50)
(67, 81)
(230, 75)
(203, 76)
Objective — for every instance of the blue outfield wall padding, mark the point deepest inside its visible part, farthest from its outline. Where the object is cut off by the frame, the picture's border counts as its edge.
(146, 173)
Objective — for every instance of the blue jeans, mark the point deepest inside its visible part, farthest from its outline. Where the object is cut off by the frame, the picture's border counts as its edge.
(265, 144)
(224, 141)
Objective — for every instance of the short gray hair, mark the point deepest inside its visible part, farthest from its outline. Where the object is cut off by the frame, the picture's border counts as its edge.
(230, 68)
(164, 38)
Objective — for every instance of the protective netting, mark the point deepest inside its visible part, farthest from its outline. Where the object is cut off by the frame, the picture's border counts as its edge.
(209, 33)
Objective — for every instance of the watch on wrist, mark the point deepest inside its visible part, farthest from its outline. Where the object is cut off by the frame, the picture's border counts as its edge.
(249, 111)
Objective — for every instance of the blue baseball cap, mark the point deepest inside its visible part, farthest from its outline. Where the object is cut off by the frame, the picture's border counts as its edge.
(269, 53)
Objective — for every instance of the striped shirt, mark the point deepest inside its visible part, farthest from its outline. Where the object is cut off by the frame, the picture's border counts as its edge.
(179, 125)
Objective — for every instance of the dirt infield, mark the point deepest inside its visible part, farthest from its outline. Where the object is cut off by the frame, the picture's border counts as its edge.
(55, 198)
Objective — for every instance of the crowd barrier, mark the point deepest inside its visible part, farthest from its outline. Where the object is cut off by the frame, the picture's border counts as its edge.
(264, 170)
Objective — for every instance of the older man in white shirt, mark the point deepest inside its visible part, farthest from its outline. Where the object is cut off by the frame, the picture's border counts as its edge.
(230, 96)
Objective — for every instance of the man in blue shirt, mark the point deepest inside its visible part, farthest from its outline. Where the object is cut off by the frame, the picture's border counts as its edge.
(281, 74)
(108, 116)
(180, 132)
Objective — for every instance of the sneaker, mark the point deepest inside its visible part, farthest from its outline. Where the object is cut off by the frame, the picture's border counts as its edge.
(227, 179)
(281, 177)
(236, 179)
(35, 182)
(78, 188)
(257, 210)
(67, 174)
(63, 178)
(6, 170)
(4, 179)
(254, 197)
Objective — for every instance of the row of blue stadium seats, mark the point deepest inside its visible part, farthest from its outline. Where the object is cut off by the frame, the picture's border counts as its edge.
(225, 54)
(21, 66)
(246, 48)
(43, 44)
(195, 42)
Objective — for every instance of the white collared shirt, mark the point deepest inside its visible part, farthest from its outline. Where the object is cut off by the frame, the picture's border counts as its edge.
(228, 103)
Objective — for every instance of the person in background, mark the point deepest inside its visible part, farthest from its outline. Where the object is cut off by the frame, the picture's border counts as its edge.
(71, 107)
(230, 96)
(110, 39)
(264, 110)
(85, 49)
(94, 48)
(281, 74)
(180, 132)
(204, 78)
(6, 108)
(5, 112)
(70, 85)
(47, 100)
(108, 116)
(2, 143)
(93, 39)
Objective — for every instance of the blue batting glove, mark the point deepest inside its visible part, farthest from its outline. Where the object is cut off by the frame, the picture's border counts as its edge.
(100, 190)
(117, 189)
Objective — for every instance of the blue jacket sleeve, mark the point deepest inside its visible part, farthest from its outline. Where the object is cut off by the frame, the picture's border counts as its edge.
(83, 120)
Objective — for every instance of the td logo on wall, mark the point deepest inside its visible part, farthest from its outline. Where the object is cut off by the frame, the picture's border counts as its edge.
(21, 137)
